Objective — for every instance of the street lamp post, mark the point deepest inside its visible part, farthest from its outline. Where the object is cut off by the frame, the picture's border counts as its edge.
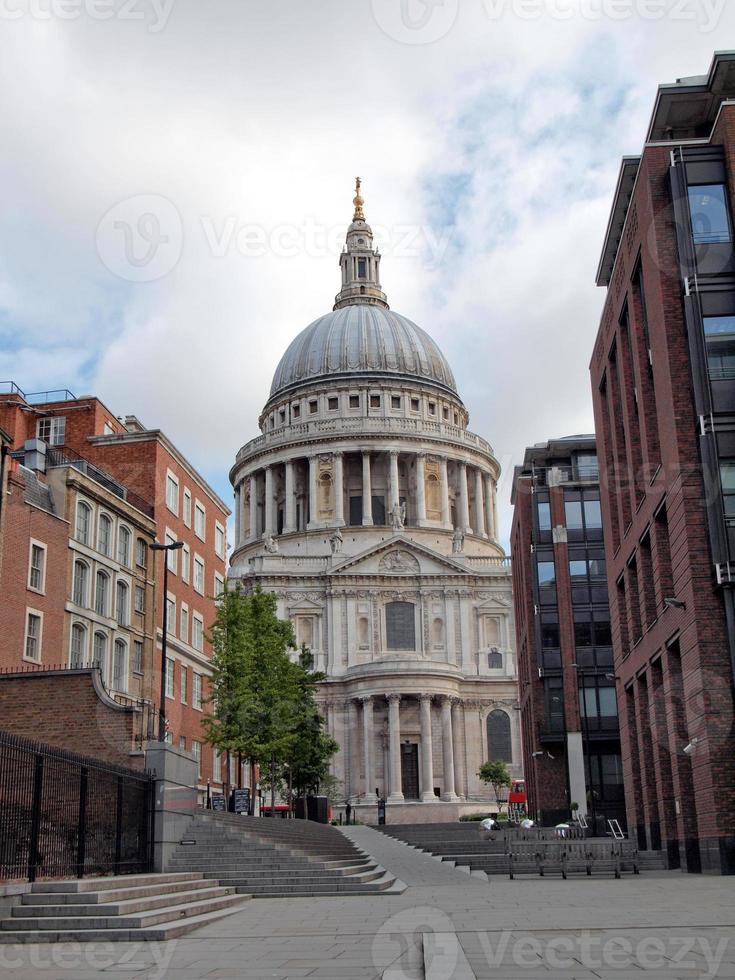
(172, 546)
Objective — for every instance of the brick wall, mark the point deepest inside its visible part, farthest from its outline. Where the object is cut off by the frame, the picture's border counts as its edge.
(69, 710)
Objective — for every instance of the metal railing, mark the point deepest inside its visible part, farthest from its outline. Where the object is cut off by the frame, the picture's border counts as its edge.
(145, 725)
(37, 397)
(62, 814)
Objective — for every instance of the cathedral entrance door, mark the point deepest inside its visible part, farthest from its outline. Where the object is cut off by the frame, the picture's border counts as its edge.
(410, 771)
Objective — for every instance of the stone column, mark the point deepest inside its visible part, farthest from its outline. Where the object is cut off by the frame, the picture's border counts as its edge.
(457, 727)
(394, 493)
(238, 513)
(270, 524)
(463, 513)
(448, 752)
(479, 509)
(368, 748)
(289, 517)
(427, 763)
(253, 506)
(420, 488)
(313, 505)
(489, 496)
(339, 490)
(367, 492)
(394, 748)
(352, 767)
(444, 476)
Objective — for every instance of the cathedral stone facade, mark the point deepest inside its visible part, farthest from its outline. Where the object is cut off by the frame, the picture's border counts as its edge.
(369, 508)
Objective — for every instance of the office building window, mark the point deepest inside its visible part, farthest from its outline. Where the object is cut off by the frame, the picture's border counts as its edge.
(170, 668)
(137, 656)
(52, 430)
(104, 535)
(123, 546)
(83, 522)
(172, 493)
(196, 690)
(709, 212)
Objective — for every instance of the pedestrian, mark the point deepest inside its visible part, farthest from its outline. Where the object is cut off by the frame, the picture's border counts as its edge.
(348, 811)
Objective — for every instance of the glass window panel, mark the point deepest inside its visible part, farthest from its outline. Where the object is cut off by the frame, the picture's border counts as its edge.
(550, 635)
(573, 510)
(589, 702)
(603, 635)
(546, 573)
(578, 570)
(544, 515)
(498, 737)
(597, 568)
(592, 514)
(587, 466)
(608, 702)
(583, 634)
(708, 209)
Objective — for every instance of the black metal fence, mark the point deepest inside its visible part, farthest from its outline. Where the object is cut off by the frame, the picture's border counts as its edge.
(62, 814)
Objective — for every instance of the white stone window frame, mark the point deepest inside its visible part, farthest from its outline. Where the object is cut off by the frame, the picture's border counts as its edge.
(219, 529)
(199, 508)
(313, 406)
(333, 410)
(85, 603)
(183, 683)
(398, 409)
(198, 561)
(184, 613)
(35, 543)
(354, 408)
(411, 400)
(375, 393)
(187, 507)
(170, 678)
(120, 642)
(197, 691)
(171, 613)
(127, 582)
(103, 515)
(219, 584)
(124, 560)
(172, 554)
(185, 564)
(198, 620)
(172, 481)
(85, 633)
(82, 504)
(30, 611)
(138, 644)
(417, 637)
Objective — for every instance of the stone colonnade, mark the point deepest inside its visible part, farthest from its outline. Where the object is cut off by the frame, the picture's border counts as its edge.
(256, 511)
(451, 720)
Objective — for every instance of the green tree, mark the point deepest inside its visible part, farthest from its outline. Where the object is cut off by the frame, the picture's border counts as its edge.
(312, 748)
(497, 774)
(227, 635)
(269, 690)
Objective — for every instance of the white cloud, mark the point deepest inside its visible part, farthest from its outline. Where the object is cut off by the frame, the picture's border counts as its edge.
(505, 134)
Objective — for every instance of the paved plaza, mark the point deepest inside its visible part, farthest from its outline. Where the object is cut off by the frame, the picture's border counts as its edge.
(446, 925)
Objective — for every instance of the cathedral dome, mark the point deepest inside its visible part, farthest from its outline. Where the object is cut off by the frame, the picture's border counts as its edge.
(362, 339)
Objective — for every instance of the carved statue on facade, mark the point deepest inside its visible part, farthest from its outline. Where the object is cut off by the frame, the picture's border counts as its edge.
(335, 542)
(398, 516)
(458, 542)
(271, 545)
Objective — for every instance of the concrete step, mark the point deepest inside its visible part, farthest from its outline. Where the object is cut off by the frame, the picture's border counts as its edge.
(190, 883)
(141, 920)
(118, 907)
(285, 875)
(110, 883)
(159, 933)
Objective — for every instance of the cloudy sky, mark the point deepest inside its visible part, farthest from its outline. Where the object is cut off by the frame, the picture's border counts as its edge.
(177, 176)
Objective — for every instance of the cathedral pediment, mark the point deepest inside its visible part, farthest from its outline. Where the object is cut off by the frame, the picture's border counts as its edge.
(399, 556)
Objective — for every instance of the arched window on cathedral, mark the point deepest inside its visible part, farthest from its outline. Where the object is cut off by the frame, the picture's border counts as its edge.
(400, 626)
(498, 737)
(495, 659)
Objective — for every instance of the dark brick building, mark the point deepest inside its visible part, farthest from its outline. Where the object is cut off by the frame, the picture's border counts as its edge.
(663, 382)
(569, 720)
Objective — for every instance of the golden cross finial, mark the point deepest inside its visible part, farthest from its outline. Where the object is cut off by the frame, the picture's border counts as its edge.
(358, 201)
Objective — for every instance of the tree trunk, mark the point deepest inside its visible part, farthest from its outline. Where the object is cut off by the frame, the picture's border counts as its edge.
(273, 784)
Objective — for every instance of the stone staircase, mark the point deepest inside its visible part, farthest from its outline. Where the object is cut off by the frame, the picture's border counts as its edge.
(126, 907)
(462, 845)
(269, 858)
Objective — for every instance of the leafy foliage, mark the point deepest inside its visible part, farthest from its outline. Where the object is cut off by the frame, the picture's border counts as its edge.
(497, 774)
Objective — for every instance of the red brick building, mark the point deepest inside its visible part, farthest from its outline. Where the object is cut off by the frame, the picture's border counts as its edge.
(663, 382)
(569, 719)
(146, 474)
